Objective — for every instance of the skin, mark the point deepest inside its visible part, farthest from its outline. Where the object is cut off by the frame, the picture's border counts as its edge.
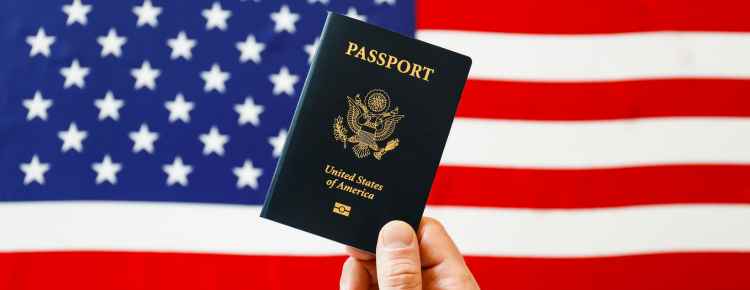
(405, 260)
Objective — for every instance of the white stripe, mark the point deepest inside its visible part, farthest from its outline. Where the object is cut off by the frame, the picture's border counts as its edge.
(535, 57)
(136, 226)
(144, 226)
(598, 232)
(597, 144)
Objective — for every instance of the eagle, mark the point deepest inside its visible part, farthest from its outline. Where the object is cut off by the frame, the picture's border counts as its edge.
(369, 127)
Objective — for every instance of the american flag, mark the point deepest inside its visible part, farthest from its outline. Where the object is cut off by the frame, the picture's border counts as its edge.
(598, 144)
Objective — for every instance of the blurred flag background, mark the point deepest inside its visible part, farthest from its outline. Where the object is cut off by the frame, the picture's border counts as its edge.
(598, 144)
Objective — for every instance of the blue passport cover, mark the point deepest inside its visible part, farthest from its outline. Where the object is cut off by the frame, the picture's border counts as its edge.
(367, 134)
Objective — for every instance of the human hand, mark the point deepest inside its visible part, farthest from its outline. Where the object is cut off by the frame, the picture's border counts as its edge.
(404, 260)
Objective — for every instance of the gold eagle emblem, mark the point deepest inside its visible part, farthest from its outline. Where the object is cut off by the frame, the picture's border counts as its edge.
(371, 121)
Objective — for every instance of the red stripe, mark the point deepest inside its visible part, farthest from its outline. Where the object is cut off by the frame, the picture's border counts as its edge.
(584, 16)
(142, 271)
(605, 100)
(685, 271)
(541, 188)
(162, 271)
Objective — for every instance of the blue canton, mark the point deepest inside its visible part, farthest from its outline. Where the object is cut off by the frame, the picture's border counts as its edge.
(184, 101)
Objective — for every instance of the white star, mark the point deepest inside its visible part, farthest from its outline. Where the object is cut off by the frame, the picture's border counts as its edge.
(74, 75)
(389, 2)
(284, 20)
(37, 107)
(106, 170)
(111, 44)
(143, 139)
(249, 112)
(247, 175)
(283, 82)
(179, 109)
(311, 48)
(40, 43)
(277, 142)
(177, 172)
(145, 76)
(109, 107)
(72, 138)
(214, 79)
(147, 14)
(76, 12)
(324, 2)
(34, 171)
(352, 12)
(216, 17)
(182, 46)
(250, 49)
(213, 142)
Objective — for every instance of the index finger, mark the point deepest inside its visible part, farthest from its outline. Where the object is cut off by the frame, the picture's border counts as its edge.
(436, 245)
(359, 254)
(441, 260)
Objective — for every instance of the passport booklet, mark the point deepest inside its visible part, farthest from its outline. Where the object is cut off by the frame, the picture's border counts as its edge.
(367, 135)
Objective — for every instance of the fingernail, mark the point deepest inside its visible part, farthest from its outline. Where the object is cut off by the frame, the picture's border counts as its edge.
(397, 234)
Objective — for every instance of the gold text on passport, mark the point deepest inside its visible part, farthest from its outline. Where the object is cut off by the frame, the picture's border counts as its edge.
(370, 124)
(352, 177)
(352, 183)
(389, 61)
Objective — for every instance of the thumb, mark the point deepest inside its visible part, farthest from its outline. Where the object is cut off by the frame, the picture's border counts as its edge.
(397, 258)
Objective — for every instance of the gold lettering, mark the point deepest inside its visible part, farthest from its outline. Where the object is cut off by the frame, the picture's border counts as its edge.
(369, 183)
(427, 73)
(339, 173)
(361, 53)
(391, 61)
(387, 61)
(355, 178)
(381, 58)
(372, 56)
(406, 69)
(415, 69)
(352, 47)
(355, 191)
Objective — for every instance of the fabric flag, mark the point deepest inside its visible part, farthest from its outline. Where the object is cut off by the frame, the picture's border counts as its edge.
(597, 144)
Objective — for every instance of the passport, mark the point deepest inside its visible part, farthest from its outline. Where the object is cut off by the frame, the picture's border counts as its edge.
(367, 134)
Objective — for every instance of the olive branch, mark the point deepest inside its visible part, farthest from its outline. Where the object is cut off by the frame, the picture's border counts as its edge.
(339, 132)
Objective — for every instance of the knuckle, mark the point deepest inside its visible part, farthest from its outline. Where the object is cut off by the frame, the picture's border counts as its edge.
(403, 274)
(465, 281)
